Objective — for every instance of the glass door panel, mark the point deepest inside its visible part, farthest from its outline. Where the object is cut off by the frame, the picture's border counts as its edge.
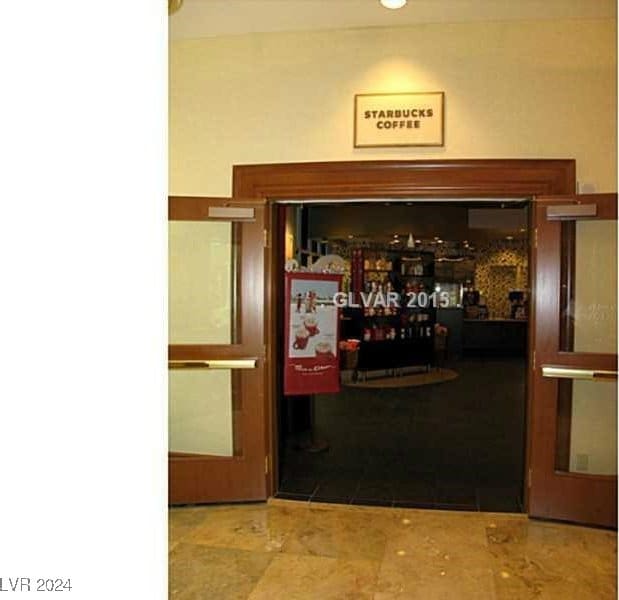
(203, 269)
(200, 412)
(587, 427)
(589, 286)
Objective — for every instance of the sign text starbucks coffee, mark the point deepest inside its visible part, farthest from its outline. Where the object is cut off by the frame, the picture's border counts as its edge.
(404, 119)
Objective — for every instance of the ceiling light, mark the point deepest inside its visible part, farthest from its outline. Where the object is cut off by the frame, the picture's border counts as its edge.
(509, 237)
(174, 6)
(393, 3)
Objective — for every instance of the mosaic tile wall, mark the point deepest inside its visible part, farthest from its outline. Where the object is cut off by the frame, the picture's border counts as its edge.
(501, 265)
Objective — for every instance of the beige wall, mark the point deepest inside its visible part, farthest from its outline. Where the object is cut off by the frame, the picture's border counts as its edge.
(513, 90)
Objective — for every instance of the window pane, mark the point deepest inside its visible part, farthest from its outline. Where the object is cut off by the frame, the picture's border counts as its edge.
(589, 286)
(587, 427)
(200, 412)
(202, 271)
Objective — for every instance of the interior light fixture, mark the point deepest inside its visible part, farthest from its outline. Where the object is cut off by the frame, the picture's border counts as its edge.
(393, 4)
(174, 6)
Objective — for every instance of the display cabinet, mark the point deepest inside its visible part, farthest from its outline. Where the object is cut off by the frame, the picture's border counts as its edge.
(395, 308)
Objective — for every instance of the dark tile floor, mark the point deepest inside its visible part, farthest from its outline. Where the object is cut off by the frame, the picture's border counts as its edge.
(457, 445)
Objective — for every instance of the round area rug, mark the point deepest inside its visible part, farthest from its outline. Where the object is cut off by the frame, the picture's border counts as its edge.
(434, 376)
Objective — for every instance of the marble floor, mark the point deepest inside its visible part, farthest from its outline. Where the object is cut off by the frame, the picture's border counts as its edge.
(287, 550)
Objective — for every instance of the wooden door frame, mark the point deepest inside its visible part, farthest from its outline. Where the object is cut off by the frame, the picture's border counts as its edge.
(437, 179)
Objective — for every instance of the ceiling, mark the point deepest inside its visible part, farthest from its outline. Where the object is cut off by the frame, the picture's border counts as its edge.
(209, 18)
(451, 222)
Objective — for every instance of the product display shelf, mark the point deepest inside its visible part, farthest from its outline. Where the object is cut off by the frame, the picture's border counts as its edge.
(393, 338)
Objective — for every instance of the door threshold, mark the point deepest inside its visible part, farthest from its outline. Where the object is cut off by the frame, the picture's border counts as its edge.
(285, 502)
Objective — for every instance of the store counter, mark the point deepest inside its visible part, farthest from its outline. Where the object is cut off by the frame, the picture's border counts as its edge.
(452, 318)
(496, 336)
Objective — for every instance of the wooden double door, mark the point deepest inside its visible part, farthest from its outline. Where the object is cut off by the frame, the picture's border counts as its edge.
(220, 307)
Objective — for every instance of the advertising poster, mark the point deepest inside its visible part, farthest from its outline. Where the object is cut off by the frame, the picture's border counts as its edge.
(311, 330)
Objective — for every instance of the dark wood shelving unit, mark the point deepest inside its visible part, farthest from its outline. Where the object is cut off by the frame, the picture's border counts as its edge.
(405, 337)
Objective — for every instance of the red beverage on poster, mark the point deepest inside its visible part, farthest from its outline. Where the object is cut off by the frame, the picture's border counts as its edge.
(311, 363)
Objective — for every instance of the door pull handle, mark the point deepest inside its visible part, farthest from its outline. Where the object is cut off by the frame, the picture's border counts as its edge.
(230, 363)
(574, 373)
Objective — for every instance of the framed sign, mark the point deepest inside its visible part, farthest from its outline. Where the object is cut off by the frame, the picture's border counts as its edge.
(311, 363)
(402, 119)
